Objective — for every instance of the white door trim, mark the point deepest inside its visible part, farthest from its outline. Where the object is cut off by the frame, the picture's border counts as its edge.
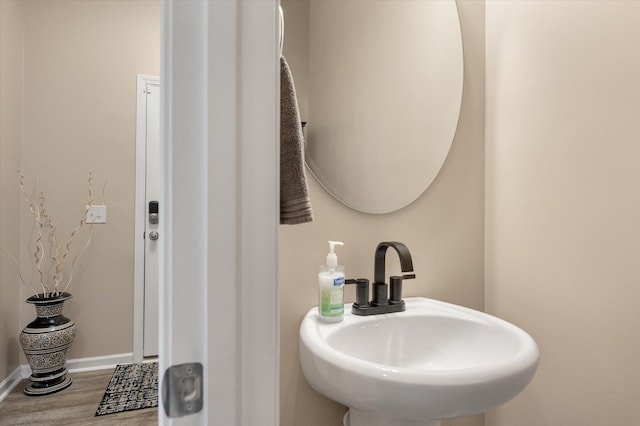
(219, 287)
(139, 221)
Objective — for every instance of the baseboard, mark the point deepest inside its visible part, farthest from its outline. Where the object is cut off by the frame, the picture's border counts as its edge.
(9, 383)
(74, 366)
(98, 362)
(89, 364)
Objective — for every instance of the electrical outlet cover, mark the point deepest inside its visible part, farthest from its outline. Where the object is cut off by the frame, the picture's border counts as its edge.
(96, 214)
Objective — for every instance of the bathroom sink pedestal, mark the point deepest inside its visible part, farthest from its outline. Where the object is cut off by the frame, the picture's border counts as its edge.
(356, 417)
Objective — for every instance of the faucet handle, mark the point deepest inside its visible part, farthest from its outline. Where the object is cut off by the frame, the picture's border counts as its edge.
(362, 291)
(396, 287)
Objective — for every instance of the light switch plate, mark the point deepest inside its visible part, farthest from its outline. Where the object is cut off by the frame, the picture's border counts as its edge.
(96, 214)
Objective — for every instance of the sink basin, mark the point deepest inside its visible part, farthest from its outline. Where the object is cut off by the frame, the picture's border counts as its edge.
(433, 361)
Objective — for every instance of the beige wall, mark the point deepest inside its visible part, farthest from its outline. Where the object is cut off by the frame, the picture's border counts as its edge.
(563, 203)
(562, 222)
(443, 228)
(11, 52)
(80, 66)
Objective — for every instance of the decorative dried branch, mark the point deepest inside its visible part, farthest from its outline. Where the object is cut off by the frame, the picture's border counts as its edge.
(67, 247)
(50, 260)
(104, 188)
(86, 245)
(39, 253)
(59, 266)
(89, 204)
(50, 228)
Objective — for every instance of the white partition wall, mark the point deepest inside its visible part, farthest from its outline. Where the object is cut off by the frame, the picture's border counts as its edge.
(219, 293)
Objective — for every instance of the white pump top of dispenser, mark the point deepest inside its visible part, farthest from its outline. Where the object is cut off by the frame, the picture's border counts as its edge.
(332, 258)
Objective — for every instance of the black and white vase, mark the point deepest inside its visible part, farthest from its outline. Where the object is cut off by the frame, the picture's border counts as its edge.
(45, 342)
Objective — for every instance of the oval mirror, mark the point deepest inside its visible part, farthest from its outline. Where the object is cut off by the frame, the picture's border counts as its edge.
(385, 89)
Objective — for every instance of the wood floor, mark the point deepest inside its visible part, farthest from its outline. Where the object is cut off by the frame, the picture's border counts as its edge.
(74, 406)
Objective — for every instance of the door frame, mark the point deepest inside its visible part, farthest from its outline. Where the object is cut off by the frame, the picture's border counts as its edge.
(139, 212)
(219, 300)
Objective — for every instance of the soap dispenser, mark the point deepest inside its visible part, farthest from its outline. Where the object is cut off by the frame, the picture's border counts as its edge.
(331, 287)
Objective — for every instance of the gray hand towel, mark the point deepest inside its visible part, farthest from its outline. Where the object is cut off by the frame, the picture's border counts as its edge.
(295, 206)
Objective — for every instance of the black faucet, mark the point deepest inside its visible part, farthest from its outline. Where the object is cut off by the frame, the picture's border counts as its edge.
(383, 302)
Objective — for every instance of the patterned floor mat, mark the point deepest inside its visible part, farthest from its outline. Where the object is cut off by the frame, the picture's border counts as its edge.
(132, 387)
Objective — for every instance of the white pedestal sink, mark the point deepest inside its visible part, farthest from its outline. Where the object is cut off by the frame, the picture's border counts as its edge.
(414, 368)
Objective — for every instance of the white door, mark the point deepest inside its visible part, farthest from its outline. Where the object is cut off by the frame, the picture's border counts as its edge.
(148, 213)
(218, 276)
